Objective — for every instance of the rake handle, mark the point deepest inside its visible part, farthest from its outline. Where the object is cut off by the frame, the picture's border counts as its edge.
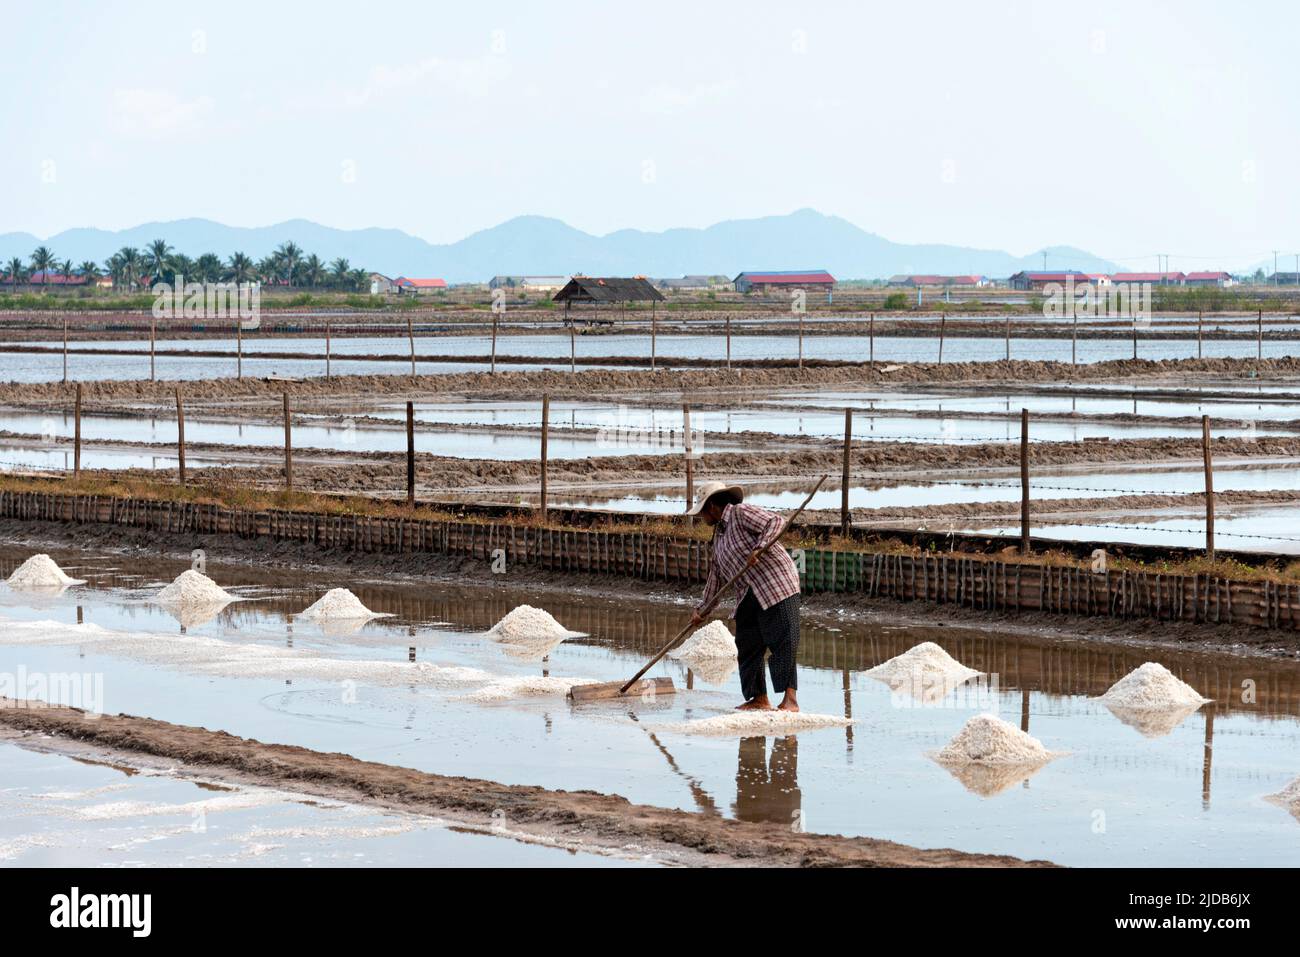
(717, 596)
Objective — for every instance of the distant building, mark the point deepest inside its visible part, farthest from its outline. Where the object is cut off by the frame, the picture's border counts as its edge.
(49, 279)
(923, 280)
(381, 285)
(1284, 279)
(419, 287)
(1033, 281)
(1154, 278)
(816, 280)
(695, 282)
(606, 290)
(1222, 279)
(1099, 279)
(534, 283)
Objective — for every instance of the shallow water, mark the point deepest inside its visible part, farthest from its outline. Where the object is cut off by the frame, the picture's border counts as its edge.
(1170, 800)
(57, 811)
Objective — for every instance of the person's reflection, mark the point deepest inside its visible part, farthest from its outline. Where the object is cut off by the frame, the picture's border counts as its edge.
(768, 791)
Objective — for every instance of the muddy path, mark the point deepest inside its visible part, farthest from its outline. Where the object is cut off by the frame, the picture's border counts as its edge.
(602, 820)
(515, 384)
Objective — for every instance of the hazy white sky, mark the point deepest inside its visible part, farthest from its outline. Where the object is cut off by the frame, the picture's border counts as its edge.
(1125, 128)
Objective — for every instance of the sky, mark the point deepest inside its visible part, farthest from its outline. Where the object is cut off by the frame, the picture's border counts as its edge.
(1126, 129)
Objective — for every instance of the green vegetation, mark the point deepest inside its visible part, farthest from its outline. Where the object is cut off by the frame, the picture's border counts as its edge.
(896, 300)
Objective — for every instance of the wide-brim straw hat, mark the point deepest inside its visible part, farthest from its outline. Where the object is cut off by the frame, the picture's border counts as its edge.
(710, 489)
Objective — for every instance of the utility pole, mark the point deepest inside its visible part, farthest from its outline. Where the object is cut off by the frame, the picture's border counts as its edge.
(1275, 267)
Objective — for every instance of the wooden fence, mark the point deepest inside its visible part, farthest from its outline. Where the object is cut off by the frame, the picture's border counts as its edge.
(979, 582)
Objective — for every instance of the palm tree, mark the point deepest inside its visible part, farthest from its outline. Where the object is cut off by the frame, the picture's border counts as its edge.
(132, 265)
(182, 266)
(157, 257)
(209, 268)
(268, 268)
(342, 270)
(66, 269)
(359, 279)
(89, 271)
(289, 256)
(16, 272)
(313, 271)
(43, 261)
(240, 269)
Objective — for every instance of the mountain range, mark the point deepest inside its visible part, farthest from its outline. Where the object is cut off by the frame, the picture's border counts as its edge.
(538, 245)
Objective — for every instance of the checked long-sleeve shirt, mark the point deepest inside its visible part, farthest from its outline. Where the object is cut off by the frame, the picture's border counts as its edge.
(742, 530)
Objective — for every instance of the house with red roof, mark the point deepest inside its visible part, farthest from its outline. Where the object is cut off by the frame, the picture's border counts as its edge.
(1154, 278)
(761, 282)
(419, 287)
(1222, 279)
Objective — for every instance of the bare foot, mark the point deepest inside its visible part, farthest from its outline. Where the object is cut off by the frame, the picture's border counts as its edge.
(789, 702)
(758, 704)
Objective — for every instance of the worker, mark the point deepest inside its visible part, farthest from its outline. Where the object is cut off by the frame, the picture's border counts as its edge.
(767, 593)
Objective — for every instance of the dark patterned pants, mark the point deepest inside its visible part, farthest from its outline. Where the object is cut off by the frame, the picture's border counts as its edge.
(759, 631)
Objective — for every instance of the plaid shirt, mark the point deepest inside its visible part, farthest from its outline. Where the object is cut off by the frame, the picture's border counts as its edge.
(742, 530)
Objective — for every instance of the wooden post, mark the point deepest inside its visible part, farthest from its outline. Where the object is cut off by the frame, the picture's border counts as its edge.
(1200, 320)
(494, 336)
(652, 335)
(1135, 337)
(1259, 337)
(410, 454)
(1074, 342)
(180, 435)
(239, 348)
(1024, 481)
(801, 340)
(327, 348)
(728, 342)
(76, 437)
(573, 351)
(410, 337)
(546, 415)
(1209, 488)
(871, 338)
(943, 324)
(153, 338)
(1007, 334)
(686, 444)
(65, 342)
(844, 478)
(288, 447)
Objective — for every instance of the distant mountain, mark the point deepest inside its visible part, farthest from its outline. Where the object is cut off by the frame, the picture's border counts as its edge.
(537, 245)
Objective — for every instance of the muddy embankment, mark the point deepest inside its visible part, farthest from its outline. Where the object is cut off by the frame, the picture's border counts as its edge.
(595, 820)
(371, 471)
(584, 383)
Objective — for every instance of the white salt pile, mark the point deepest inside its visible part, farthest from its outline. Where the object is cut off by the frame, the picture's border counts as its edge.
(714, 640)
(529, 624)
(194, 588)
(987, 739)
(754, 723)
(530, 686)
(1152, 687)
(925, 672)
(713, 671)
(41, 571)
(338, 604)
(1288, 798)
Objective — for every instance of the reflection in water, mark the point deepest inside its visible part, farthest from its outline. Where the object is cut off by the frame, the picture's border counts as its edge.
(988, 780)
(768, 790)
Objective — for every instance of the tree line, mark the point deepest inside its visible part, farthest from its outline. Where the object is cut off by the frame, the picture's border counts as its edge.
(130, 269)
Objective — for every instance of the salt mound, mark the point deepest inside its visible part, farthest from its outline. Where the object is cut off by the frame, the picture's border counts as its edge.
(338, 604)
(531, 686)
(714, 640)
(527, 624)
(194, 588)
(754, 723)
(713, 671)
(1152, 687)
(41, 571)
(987, 739)
(926, 672)
(1288, 798)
